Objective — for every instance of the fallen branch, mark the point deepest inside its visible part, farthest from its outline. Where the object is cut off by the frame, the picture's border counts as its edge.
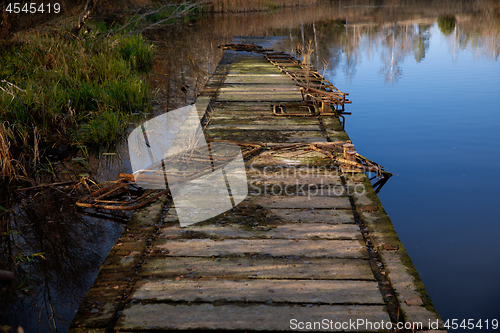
(13, 85)
(46, 185)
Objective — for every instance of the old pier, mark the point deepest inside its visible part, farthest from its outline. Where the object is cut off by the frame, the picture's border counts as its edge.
(310, 243)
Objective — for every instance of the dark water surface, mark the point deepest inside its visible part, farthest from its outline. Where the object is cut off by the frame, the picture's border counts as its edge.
(426, 105)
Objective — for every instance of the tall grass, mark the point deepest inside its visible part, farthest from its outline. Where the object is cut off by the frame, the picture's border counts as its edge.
(72, 90)
(62, 90)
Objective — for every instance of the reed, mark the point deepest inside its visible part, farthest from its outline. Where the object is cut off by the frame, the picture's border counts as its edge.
(6, 167)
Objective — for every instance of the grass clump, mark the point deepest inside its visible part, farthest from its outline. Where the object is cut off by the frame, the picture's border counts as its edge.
(134, 50)
(59, 89)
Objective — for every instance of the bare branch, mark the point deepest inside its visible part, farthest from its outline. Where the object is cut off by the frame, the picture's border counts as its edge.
(10, 93)
(13, 85)
(175, 14)
(89, 7)
(180, 10)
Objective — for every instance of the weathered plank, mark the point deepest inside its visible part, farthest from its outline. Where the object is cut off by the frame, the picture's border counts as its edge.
(276, 231)
(258, 268)
(261, 291)
(275, 248)
(240, 317)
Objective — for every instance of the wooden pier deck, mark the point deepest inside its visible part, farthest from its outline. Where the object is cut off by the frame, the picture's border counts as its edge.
(306, 245)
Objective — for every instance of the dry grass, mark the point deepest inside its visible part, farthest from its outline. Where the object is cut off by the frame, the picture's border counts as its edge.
(6, 167)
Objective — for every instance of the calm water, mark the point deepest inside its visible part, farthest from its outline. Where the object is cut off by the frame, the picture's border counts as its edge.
(435, 123)
(426, 105)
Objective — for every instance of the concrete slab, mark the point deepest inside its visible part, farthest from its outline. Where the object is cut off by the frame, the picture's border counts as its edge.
(314, 215)
(295, 180)
(274, 248)
(301, 202)
(242, 106)
(277, 216)
(262, 88)
(337, 136)
(257, 268)
(241, 317)
(274, 231)
(291, 159)
(278, 96)
(266, 127)
(265, 135)
(261, 291)
(266, 119)
(274, 79)
(277, 173)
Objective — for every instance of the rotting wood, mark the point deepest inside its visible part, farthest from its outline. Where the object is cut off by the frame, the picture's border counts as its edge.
(106, 197)
(303, 74)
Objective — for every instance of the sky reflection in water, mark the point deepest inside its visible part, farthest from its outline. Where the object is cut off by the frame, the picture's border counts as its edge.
(427, 108)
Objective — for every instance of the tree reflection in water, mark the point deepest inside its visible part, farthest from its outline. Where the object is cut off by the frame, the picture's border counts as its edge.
(54, 253)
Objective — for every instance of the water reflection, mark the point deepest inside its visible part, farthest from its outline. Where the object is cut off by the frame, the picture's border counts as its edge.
(54, 254)
(342, 46)
(339, 33)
